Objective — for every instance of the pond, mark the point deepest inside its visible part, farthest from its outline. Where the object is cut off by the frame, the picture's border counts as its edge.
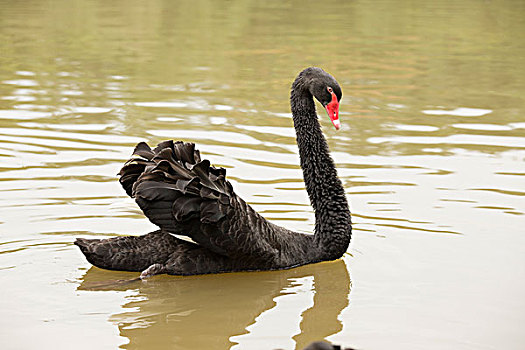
(431, 154)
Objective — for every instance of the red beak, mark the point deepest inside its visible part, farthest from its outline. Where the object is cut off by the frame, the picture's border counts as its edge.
(333, 112)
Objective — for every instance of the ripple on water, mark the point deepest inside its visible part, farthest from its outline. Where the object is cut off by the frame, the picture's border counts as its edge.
(25, 73)
(21, 114)
(90, 110)
(19, 98)
(223, 108)
(199, 104)
(173, 104)
(274, 130)
(20, 82)
(517, 125)
(461, 112)
(220, 136)
(460, 139)
(79, 127)
(487, 127)
(422, 128)
(52, 137)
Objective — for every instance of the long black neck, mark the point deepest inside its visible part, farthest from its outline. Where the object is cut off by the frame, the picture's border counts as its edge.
(332, 216)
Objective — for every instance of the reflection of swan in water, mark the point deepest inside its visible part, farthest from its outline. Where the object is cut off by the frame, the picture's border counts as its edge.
(203, 312)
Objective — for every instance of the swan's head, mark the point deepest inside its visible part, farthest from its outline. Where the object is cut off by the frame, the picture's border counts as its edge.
(327, 91)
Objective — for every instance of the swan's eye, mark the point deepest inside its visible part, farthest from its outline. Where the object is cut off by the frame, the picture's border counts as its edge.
(329, 89)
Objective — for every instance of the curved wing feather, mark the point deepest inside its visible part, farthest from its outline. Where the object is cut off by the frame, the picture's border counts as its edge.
(185, 195)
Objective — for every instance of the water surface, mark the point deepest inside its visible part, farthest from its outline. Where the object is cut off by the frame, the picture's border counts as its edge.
(431, 153)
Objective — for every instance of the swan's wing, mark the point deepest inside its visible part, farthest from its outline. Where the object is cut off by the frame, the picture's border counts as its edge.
(185, 195)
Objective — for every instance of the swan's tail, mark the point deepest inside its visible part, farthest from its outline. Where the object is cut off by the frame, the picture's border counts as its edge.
(131, 253)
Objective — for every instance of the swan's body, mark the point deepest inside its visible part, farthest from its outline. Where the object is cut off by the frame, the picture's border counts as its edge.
(184, 195)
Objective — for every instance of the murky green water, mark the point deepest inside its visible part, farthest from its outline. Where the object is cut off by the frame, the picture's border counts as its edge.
(431, 153)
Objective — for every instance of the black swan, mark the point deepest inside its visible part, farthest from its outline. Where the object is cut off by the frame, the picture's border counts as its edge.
(185, 195)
